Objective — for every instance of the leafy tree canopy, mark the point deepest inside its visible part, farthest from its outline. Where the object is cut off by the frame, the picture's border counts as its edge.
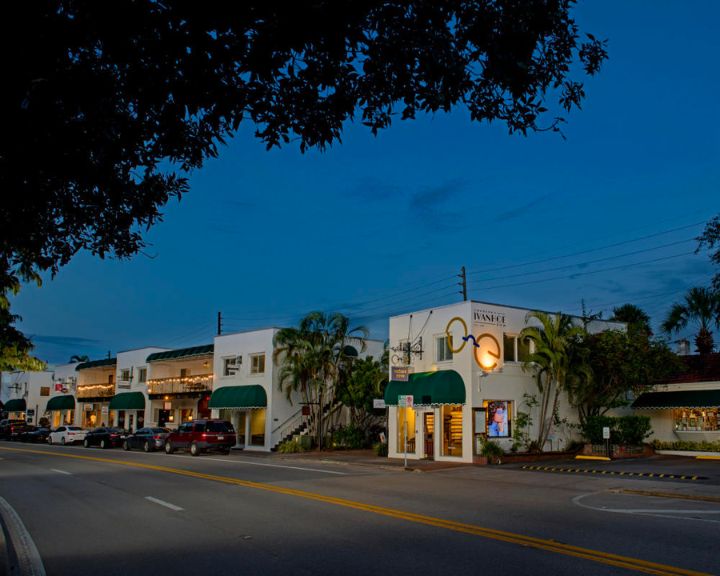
(636, 318)
(99, 99)
(710, 239)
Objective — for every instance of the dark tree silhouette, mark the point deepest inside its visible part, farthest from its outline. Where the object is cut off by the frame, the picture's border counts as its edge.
(710, 239)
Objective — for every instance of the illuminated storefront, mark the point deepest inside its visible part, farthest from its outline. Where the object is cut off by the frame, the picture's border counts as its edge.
(95, 389)
(457, 380)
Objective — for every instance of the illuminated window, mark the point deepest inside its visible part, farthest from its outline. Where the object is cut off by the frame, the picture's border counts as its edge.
(44, 390)
(257, 363)
(452, 430)
(442, 349)
(406, 418)
(499, 415)
(257, 427)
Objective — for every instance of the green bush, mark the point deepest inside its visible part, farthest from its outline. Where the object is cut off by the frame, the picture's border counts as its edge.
(349, 437)
(633, 429)
(290, 446)
(687, 445)
(592, 430)
(381, 449)
(492, 451)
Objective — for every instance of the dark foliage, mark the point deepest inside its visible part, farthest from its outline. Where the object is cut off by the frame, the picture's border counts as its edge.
(710, 239)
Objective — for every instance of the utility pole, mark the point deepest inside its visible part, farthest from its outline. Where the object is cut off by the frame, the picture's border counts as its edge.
(463, 277)
(219, 324)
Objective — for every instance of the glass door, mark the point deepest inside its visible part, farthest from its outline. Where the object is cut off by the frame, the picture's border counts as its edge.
(429, 435)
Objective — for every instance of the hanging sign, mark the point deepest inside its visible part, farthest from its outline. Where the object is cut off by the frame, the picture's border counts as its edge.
(378, 403)
(405, 401)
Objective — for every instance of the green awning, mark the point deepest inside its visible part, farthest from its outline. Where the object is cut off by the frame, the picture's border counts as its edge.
(206, 350)
(678, 399)
(96, 363)
(239, 397)
(15, 405)
(128, 401)
(428, 388)
(64, 402)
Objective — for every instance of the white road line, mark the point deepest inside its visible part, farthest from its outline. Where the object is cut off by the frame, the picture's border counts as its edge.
(659, 513)
(267, 465)
(28, 558)
(60, 471)
(163, 503)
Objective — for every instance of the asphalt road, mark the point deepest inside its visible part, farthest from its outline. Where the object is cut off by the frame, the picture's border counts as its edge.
(112, 512)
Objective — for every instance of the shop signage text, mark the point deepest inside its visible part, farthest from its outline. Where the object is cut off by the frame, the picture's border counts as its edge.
(481, 316)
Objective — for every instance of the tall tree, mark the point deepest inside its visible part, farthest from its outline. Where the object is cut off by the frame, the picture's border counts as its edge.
(710, 239)
(553, 341)
(635, 317)
(313, 359)
(15, 347)
(108, 107)
(79, 358)
(701, 306)
(613, 363)
(366, 381)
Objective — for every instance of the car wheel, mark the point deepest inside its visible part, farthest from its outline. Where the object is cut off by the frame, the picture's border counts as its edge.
(168, 448)
(86, 444)
(146, 446)
(126, 445)
(194, 449)
(62, 440)
(103, 444)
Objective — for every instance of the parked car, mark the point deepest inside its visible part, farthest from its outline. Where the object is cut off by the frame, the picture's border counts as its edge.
(18, 428)
(148, 439)
(66, 435)
(6, 427)
(202, 436)
(104, 437)
(37, 435)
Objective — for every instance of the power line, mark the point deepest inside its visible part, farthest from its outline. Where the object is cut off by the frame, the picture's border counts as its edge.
(588, 251)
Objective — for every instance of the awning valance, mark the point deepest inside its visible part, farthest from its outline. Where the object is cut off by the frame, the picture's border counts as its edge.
(128, 401)
(64, 402)
(239, 397)
(428, 388)
(678, 399)
(15, 405)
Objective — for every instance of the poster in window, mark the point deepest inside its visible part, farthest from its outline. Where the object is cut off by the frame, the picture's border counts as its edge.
(498, 419)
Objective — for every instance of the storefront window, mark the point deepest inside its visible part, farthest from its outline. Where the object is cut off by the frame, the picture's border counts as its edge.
(186, 415)
(499, 414)
(406, 416)
(696, 419)
(257, 427)
(452, 440)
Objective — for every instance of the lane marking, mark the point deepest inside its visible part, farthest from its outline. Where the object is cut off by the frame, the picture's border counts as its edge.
(60, 471)
(248, 463)
(163, 503)
(612, 472)
(549, 545)
(28, 558)
(664, 513)
(676, 496)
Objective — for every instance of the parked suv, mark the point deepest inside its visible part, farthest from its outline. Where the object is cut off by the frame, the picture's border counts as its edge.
(202, 436)
(7, 427)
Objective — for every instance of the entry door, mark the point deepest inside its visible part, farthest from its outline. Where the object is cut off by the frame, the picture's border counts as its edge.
(429, 434)
(163, 416)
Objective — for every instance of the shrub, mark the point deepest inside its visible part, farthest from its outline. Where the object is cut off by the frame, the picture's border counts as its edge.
(492, 451)
(592, 430)
(633, 429)
(349, 437)
(381, 449)
(290, 446)
(687, 445)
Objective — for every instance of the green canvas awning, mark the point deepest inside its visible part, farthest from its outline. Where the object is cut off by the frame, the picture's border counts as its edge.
(15, 405)
(128, 401)
(64, 402)
(428, 388)
(678, 399)
(239, 397)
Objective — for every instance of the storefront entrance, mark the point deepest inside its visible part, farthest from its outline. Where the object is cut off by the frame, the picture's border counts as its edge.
(429, 435)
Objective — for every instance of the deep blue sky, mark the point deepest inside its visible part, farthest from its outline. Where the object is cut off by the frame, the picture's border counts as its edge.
(379, 226)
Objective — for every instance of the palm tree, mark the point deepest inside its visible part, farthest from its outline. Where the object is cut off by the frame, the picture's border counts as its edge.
(701, 306)
(79, 358)
(553, 341)
(315, 358)
(635, 317)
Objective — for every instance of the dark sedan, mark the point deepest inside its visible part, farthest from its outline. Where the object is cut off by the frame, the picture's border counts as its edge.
(36, 435)
(148, 439)
(104, 437)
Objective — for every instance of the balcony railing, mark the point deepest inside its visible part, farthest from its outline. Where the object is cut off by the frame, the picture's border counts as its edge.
(180, 384)
(101, 390)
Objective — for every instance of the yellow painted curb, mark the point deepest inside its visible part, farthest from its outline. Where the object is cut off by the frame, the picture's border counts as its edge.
(605, 458)
(707, 457)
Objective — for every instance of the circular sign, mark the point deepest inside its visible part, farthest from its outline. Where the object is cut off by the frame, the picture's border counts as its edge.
(487, 352)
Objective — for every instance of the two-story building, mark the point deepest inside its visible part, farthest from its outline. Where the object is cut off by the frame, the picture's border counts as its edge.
(61, 406)
(95, 389)
(27, 394)
(457, 378)
(179, 385)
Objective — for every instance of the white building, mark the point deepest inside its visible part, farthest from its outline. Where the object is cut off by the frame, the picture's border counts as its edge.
(462, 365)
(62, 406)
(95, 389)
(26, 394)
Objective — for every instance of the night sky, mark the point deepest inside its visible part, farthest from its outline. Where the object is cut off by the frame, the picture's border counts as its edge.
(377, 226)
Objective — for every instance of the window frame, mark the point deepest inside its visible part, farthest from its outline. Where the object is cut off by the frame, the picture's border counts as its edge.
(253, 357)
(445, 349)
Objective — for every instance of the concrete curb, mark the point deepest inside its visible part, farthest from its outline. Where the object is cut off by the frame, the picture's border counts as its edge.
(29, 562)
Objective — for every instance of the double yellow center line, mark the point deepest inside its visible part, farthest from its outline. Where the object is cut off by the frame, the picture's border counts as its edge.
(472, 529)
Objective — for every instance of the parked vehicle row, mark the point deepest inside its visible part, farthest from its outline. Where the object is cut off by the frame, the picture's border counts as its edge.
(206, 435)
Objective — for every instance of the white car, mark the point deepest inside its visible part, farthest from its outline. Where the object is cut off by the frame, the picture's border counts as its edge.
(66, 435)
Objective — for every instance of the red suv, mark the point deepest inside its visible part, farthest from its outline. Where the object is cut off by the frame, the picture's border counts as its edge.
(202, 436)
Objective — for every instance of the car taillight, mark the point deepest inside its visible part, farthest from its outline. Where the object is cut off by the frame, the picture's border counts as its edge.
(157, 437)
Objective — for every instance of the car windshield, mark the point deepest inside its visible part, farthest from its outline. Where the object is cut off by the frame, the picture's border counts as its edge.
(160, 430)
(219, 427)
(74, 428)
